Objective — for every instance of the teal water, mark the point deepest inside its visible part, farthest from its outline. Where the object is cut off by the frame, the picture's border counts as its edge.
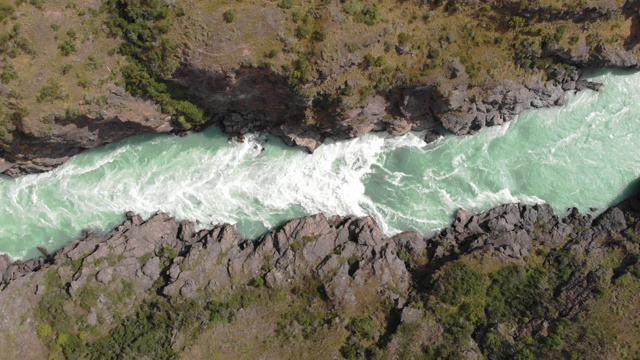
(583, 154)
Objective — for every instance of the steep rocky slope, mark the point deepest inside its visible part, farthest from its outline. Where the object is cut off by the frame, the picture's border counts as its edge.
(515, 280)
(302, 71)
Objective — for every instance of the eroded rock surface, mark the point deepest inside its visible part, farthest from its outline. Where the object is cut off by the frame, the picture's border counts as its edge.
(347, 256)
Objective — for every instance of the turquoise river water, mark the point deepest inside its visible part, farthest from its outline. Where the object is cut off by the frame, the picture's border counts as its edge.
(583, 154)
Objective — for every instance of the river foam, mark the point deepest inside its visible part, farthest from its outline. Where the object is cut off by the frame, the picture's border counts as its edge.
(582, 154)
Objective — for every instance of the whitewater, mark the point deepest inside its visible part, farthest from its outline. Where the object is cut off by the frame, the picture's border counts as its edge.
(583, 154)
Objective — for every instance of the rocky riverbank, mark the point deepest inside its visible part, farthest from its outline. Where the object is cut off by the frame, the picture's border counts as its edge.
(97, 281)
(250, 107)
(303, 96)
(123, 117)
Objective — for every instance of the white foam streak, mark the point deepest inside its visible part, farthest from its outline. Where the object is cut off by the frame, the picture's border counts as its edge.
(552, 155)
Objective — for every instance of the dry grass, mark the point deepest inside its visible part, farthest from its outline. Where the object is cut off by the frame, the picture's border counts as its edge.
(254, 334)
(476, 34)
(84, 76)
(617, 321)
(267, 34)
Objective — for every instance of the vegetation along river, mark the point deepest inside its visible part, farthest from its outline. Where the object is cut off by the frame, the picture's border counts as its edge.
(583, 154)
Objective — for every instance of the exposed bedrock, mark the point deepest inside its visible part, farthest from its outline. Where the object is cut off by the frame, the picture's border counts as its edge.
(70, 135)
(249, 100)
(345, 255)
(341, 252)
(259, 100)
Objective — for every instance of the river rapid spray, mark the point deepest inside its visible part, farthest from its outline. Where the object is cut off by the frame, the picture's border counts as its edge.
(582, 154)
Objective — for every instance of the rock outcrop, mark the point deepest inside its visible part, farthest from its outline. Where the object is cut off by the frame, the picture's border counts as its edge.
(305, 110)
(125, 116)
(330, 249)
(343, 254)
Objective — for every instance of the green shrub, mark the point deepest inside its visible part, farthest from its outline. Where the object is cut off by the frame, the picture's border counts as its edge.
(303, 31)
(602, 292)
(168, 253)
(362, 327)
(380, 61)
(296, 16)
(286, 4)
(319, 35)
(352, 7)
(633, 236)
(516, 22)
(67, 47)
(147, 334)
(403, 38)
(573, 39)
(44, 330)
(39, 4)
(87, 296)
(351, 349)
(271, 53)
(12, 42)
(457, 282)
(6, 10)
(624, 280)
(188, 112)
(353, 47)
(519, 293)
(366, 91)
(229, 16)
(8, 74)
(221, 312)
(363, 12)
(64, 70)
(50, 92)
(152, 56)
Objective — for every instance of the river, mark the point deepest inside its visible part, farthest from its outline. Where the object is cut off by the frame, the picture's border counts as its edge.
(583, 154)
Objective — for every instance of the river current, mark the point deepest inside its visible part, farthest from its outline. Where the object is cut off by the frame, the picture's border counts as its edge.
(583, 154)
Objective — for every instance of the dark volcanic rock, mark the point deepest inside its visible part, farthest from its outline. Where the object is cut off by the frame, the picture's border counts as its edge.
(432, 136)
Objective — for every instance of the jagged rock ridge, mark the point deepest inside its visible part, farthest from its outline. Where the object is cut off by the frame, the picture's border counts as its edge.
(344, 254)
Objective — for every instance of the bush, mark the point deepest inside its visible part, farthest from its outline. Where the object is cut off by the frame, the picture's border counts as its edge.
(44, 330)
(271, 53)
(143, 27)
(516, 22)
(351, 349)
(64, 70)
(319, 35)
(457, 282)
(12, 42)
(51, 92)
(574, 39)
(148, 334)
(286, 4)
(380, 61)
(352, 47)
(518, 293)
(6, 10)
(67, 47)
(364, 13)
(152, 56)
(303, 31)
(403, 38)
(8, 73)
(229, 16)
(362, 327)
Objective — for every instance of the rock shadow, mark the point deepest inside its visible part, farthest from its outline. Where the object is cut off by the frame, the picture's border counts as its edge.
(243, 100)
